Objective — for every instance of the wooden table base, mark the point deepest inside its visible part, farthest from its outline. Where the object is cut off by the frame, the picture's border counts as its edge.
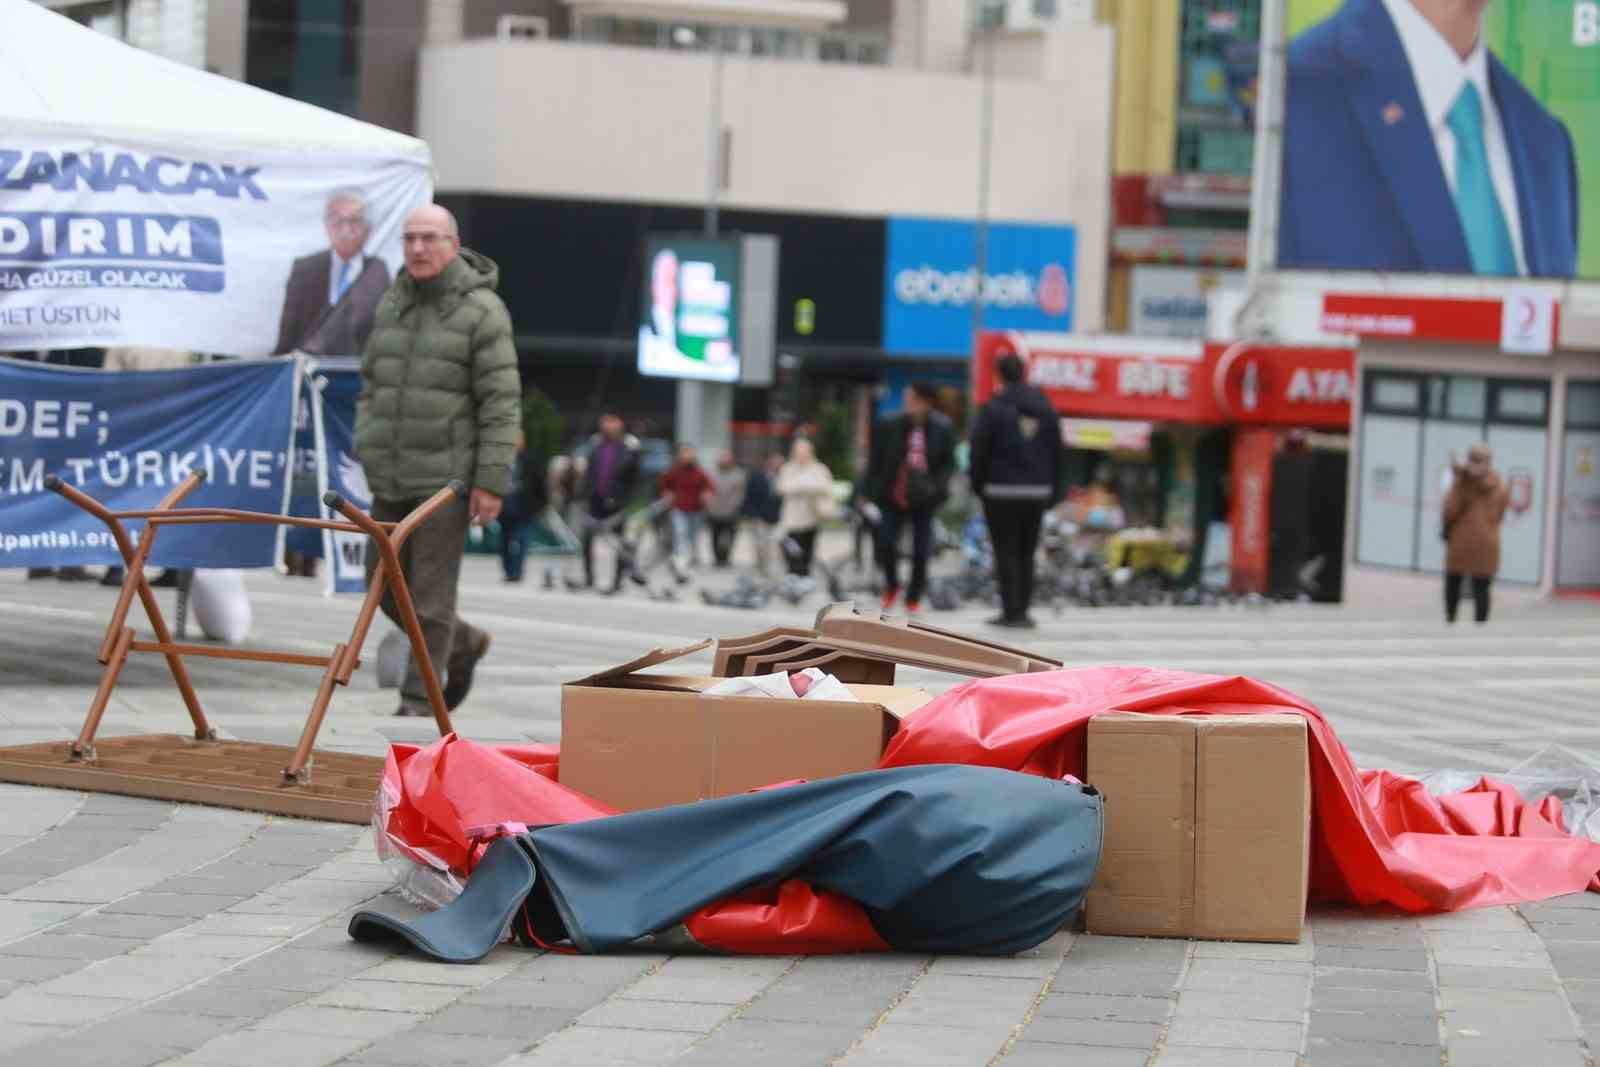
(337, 667)
(228, 774)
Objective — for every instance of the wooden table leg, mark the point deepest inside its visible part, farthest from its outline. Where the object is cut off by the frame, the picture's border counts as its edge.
(298, 772)
(134, 582)
(83, 747)
(389, 559)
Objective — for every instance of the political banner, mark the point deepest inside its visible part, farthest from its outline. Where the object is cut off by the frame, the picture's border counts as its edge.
(1452, 139)
(343, 474)
(305, 493)
(223, 249)
(126, 438)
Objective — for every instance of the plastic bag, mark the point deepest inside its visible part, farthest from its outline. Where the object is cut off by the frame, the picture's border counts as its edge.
(221, 605)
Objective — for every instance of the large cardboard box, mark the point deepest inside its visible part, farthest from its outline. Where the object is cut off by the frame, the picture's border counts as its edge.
(1208, 826)
(636, 740)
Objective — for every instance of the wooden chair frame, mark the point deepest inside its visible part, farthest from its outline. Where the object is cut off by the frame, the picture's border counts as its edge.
(120, 642)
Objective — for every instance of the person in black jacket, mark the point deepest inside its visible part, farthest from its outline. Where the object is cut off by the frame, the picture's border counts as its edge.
(525, 500)
(1017, 471)
(609, 481)
(908, 478)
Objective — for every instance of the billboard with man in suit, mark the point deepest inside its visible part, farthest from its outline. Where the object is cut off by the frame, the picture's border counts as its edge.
(1446, 136)
(332, 294)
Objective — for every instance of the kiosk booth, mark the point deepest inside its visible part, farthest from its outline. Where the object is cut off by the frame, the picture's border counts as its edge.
(1186, 434)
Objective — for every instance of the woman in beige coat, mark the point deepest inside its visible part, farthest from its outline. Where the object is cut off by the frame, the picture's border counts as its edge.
(1473, 510)
(806, 487)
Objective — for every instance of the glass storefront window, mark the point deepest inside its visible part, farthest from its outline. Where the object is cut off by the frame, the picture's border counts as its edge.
(1520, 403)
(1583, 405)
(309, 50)
(1396, 394)
(1412, 427)
(1468, 398)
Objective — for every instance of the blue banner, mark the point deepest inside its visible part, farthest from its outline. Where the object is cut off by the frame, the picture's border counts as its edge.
(930, 279)
(126, 439)
(305, 493)
(345, 475)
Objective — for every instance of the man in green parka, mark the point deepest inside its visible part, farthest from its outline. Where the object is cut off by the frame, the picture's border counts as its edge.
(440, 400)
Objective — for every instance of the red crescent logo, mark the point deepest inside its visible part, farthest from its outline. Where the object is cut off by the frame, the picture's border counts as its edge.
(1219, 377)
(1529, 313)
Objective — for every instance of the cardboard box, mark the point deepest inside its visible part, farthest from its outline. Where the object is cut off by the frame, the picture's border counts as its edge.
(639, 741)
(1208, 826)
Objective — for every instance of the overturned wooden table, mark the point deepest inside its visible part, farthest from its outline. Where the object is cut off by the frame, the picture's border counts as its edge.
(204, 768)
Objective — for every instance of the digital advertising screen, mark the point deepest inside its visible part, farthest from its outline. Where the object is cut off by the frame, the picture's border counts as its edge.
(1442, 138)
(689, 309)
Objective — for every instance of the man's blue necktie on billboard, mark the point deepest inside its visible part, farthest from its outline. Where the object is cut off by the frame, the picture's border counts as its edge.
(1488, 236)
(346, 276)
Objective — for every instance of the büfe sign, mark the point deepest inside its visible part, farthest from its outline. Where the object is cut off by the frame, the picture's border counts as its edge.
(637, 741)
(1165, 380)
(1208, 826)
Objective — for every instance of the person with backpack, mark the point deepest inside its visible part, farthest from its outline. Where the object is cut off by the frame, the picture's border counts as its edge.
(1018, 467)
(908, 479)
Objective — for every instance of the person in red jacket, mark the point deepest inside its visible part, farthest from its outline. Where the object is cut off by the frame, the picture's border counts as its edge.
(689, 488)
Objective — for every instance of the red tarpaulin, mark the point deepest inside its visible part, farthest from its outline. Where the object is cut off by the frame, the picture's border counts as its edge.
(1376, 837)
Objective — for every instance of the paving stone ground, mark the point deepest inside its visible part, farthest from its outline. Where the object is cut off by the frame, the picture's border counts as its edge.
(135, 932)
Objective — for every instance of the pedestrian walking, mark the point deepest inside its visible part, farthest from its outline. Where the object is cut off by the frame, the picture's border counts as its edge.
(440, 401)
(1473, 510)
(606, 483)
(726, 506)
(806, 488)
(689, 488)
(527, 496)
(1017, 471)
(763, 507)
(908, 478)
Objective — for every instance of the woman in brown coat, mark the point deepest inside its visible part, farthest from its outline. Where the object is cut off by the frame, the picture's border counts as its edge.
(1473, 511)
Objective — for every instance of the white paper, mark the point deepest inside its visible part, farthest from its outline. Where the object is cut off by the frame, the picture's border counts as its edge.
(823, 687)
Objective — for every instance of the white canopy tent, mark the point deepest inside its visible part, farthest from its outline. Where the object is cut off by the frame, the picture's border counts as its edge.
(145, 202)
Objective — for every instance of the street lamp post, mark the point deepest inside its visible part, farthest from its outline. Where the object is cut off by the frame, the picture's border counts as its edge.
(985, 42)
(714, 161)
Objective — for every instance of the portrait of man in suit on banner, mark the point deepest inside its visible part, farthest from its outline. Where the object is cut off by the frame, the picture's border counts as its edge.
(1410, 146)
(333, 293)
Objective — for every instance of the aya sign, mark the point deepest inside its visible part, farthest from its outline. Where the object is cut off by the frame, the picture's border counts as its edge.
(1282, 386)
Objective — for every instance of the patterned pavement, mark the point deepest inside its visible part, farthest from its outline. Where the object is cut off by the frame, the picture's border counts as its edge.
(135, 932)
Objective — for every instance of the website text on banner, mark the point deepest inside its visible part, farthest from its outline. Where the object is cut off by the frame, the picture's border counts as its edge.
(1447, 138)
(126, 439)
(245, 252)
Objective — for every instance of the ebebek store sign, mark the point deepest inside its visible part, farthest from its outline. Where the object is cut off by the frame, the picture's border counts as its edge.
(931, 280)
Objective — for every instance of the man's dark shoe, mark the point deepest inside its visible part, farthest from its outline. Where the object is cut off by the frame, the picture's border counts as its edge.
(459, 683)
(1024, 622)
(414, 711)
(998, 620)
(168, 580)
(112, 578)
